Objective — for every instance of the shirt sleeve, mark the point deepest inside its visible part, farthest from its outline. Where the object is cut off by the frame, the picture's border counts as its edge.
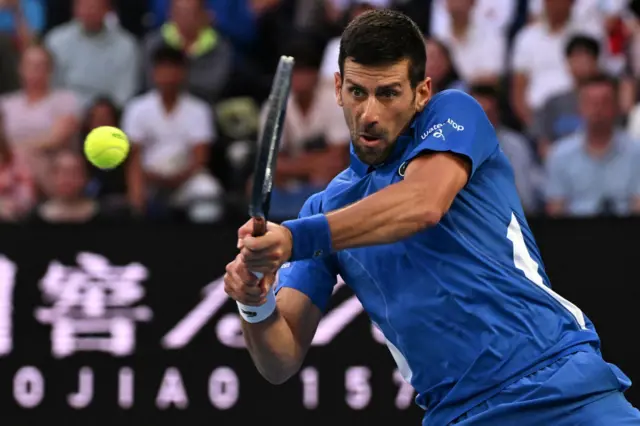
(313, 277)
(455, 122)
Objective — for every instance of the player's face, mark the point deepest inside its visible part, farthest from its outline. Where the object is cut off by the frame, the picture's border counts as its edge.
(378, 104)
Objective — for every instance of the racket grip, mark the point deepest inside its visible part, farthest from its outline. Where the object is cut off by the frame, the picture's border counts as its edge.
(259, 226)
(259, 229)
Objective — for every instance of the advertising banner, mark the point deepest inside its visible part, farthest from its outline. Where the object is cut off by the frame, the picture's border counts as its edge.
(131, 326)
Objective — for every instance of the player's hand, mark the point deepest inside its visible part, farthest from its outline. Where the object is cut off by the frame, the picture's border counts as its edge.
(241, 285)
(267, 253)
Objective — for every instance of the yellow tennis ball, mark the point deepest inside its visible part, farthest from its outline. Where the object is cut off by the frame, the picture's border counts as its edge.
(106, 147)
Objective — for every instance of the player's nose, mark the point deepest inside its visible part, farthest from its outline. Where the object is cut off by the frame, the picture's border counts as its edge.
(370, 112)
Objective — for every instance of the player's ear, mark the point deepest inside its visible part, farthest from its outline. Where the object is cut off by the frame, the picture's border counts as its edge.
(337, 78)
(423, 94)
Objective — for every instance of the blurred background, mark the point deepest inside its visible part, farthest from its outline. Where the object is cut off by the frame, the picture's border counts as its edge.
(187, 80)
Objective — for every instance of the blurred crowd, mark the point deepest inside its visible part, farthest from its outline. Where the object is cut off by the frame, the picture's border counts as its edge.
(188, 80)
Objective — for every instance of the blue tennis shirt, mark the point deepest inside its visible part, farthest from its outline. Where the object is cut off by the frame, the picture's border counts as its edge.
(465, 306)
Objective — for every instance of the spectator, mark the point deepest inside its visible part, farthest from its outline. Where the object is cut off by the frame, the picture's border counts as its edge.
(23, 19)
(66, 200)
(315, 138)
(497, 15)
(92, 58)
(441, 69)
(39, 119)
(329, 65)
(515, 146)
(595, 171)
(171, 132)
(478, 52)
(210, 56)
(108, 185)
(539, 68)
(560, 116)
(17, 192)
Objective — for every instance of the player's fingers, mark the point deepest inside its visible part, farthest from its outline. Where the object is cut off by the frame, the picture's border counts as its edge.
(245, 230)
(240, 269)
(264, 242)
(264, 266)
(269, 254)
(237, 290)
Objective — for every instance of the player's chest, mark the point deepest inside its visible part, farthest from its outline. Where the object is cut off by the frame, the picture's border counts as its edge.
(362, 187)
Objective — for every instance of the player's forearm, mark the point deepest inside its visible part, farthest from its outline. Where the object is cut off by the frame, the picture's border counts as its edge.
(272, 346)
(388, 216)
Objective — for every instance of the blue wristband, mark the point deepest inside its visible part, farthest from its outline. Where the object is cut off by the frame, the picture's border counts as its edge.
(311, 237)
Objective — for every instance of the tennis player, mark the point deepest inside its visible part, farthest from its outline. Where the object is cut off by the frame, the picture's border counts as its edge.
(426, 227)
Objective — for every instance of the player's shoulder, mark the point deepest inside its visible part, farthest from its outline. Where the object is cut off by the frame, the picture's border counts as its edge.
(330, 196)
(455, 97)
(449, 105)
(313, 205)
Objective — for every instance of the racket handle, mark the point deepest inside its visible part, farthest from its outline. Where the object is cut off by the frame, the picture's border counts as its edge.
(259, 226)
(259, 229)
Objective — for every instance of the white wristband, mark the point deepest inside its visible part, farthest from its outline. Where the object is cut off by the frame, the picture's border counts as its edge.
(253, 314)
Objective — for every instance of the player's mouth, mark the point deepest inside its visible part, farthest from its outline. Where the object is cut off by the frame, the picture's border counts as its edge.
(369, 139)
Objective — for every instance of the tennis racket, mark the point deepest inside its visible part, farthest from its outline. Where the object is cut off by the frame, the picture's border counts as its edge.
(269, 147)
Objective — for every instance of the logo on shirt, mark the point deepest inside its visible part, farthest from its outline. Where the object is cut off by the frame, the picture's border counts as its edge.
(403, 168)
(437, 129)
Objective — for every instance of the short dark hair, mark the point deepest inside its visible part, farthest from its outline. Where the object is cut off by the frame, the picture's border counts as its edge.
(601, 79)
(167, 55)
(384, 37)
(583, 42)
(486, 90)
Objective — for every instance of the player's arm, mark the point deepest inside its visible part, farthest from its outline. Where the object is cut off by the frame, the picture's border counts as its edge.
(439, 167)
(431, 183)
(281, 318)
(279, 343)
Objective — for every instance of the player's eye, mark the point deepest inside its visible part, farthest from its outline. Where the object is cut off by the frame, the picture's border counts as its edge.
(388, 93)
(357, 92)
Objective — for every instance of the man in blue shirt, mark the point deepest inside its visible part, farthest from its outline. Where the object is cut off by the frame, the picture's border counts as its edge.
(427, 229)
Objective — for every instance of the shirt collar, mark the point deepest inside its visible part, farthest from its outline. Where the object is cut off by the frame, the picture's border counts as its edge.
(399, 147)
